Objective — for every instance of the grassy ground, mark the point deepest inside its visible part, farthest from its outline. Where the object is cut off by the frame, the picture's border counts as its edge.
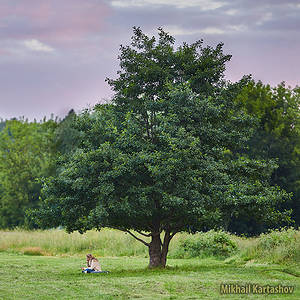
(47, 277)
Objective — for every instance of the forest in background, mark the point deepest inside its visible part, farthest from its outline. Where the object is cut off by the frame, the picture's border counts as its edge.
(30, 153)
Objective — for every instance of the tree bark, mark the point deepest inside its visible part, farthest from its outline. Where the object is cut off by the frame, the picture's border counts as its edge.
(155, 252)
(158, 251)
(165, 248)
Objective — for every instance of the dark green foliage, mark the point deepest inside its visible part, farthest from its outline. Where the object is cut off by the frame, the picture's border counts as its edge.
(26, 155)
(277, 137)
(149, 63)
(66, 136)
(187, 170)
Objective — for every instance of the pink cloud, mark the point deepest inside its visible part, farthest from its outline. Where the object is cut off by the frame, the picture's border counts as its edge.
(61, 22)
(5, 52)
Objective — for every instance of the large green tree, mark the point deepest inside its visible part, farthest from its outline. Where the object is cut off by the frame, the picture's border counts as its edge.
(163, 158)
(26, 155)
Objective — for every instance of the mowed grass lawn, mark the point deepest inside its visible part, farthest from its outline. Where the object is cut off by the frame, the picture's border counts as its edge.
(46, 277)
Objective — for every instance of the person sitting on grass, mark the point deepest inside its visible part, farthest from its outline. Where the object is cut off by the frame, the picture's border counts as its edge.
(93, 265)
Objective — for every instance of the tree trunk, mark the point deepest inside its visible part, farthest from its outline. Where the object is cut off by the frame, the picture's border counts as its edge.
(155, 252)
(165, 248)
(158, 251)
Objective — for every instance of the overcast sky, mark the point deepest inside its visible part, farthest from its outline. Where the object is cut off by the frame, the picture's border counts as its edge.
(56, 54)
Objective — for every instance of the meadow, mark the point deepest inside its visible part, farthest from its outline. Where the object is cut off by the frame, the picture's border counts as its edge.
(46, 265)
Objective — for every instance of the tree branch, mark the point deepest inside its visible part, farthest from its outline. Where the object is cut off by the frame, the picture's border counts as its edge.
(172, 235)
(142, 241)
(144, 234)
(165, 244)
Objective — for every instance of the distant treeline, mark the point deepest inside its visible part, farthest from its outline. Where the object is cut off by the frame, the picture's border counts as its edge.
(30, 153)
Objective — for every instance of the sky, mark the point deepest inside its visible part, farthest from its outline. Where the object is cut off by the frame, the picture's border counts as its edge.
(56, 54)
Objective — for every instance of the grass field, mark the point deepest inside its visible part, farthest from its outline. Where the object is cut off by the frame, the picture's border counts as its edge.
(46, 265)
(48, 277)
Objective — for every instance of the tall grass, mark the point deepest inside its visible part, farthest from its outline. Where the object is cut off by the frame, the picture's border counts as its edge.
(278, 246)
(107, 242)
